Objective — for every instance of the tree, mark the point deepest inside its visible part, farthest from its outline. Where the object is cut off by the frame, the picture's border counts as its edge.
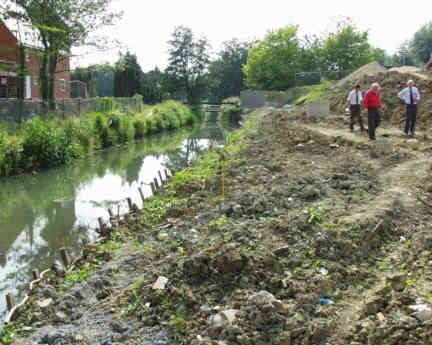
(226, 73)
(188, 63)
(310, 52)
(152, 86)
(127, 76)
(404, 56)
(382, 57)
(60, 25)
(421, 45)
(346, 49)
(273, 62)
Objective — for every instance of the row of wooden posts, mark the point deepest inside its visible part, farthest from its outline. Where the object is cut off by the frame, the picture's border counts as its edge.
(67, 262)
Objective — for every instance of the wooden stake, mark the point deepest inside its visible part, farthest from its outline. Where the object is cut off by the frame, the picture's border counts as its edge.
(156, 183)
(110, 212)
(10, 301)
(153, 188)
(166, 174)
(36, 274)
(65, 257)
(141, 194)
(129, 201)
(101, 225)
(161, 179)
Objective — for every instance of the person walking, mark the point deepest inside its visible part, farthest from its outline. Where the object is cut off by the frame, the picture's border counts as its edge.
(355, 99)
(410, 95)
(372, 103)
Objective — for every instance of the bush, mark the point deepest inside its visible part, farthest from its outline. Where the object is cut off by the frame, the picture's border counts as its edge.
(102, 131)
(140, 128)
(85, 134)
(46, 143)
(114, 121)
(10, 154)
(43, 145)
(126, 130)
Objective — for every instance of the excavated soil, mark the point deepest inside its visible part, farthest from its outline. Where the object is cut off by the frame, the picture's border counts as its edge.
(391, 82)
(322, 238)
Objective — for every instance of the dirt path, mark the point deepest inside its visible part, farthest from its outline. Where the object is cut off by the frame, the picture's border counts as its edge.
(401, 183)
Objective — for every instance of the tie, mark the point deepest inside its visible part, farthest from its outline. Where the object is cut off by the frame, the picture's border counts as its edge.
(411, 96)
(357, 98)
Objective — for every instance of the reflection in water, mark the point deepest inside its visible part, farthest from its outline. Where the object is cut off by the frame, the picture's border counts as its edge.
(43, 212)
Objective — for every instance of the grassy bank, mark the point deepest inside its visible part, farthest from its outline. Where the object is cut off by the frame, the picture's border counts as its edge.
(42, 143)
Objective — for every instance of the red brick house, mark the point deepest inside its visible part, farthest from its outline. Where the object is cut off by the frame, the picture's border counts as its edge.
(8, 77)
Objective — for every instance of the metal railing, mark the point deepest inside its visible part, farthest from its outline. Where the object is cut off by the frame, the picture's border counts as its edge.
(16, 111)
(314, 78)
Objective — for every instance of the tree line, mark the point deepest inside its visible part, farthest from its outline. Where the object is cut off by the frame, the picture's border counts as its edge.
(280, 60)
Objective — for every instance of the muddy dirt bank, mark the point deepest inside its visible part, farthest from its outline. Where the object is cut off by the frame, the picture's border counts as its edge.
(296, 232)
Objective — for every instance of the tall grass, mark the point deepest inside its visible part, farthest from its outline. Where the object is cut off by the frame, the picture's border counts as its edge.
(42, 143)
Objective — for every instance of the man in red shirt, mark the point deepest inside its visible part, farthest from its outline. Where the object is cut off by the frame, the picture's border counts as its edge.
(372, 103)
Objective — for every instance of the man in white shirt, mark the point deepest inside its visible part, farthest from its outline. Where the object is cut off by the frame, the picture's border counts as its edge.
(410, 95)
(355, 100)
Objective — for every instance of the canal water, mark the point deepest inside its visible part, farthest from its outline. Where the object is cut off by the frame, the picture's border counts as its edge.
(43, 212)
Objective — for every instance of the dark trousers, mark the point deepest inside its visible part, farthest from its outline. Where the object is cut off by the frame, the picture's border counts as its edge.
(374, 120)
(410, 118)
(355, 110)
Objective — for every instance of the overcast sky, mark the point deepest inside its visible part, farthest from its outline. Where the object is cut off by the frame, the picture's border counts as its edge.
(146, 26)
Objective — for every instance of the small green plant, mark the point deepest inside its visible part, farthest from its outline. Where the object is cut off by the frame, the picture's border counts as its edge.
(314, 215)
(178, 325)
(73, 278)
(298, 271)
(382, 265)
(220, 222)
(7, 334)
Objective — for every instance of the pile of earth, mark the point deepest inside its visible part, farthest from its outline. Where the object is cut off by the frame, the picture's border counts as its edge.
(371, 69)
(393, 109)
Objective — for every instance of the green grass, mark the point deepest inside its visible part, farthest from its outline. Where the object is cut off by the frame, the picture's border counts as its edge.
(43, 143)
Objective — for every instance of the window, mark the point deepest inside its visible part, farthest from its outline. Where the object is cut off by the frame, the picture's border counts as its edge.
(62, 85)
(27, 56)
(35, 81)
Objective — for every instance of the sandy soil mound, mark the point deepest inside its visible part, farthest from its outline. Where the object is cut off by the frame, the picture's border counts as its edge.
(372, 68)
(411, 70)
(393, 109)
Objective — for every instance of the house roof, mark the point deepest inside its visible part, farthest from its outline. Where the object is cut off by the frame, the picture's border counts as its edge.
(21, 33)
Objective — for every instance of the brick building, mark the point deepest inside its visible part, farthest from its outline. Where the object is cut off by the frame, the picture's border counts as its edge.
(8, 76)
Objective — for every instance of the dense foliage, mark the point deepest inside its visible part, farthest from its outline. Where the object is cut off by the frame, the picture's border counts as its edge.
(41, 143)
(346, 49)
(58, 26)
(188, 62)
(127, 76)
(273, 62)
(226, 77)
(421, 44)
(282, 59)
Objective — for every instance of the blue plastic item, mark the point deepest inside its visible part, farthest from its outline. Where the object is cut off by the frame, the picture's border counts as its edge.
(323, 301)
